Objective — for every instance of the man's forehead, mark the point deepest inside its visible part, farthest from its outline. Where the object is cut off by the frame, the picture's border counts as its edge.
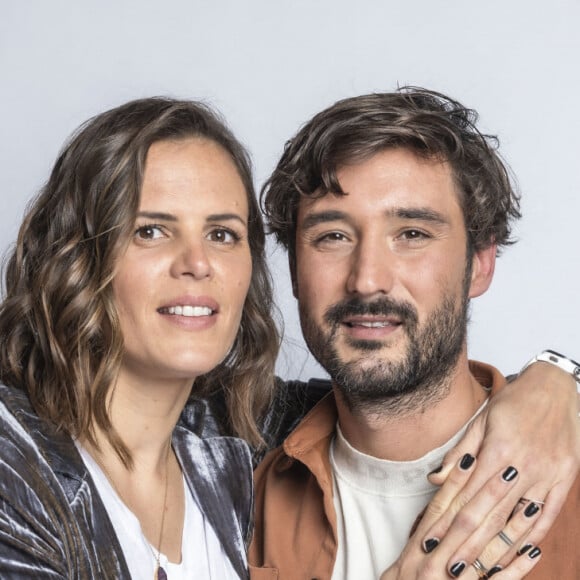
(387, 176)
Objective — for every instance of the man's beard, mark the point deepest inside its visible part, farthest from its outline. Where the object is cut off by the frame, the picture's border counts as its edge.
(420, 377)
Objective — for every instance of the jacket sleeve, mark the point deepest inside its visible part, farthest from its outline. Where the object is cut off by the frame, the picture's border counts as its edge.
(30, 522)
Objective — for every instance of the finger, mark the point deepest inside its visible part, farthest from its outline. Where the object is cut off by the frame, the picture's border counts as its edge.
(442, 500)
(519, 568)
(481, 500)
(467, 514)
(553, 503)
(502, 547)
(536, 494)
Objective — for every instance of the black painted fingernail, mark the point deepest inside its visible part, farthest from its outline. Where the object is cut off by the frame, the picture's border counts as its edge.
(524, 549)
(436, 470)
(509, 474)
(456, 569)
(494, 570)
(534, 553)
(466, 461)
(430, 544)
(531, 510)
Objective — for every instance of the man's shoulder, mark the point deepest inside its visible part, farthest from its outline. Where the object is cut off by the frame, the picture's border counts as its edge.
(293, 400)
(486, 375)
(292, 480)
(305, 449)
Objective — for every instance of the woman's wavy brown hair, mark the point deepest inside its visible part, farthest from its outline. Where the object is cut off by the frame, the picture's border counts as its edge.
(60, 336)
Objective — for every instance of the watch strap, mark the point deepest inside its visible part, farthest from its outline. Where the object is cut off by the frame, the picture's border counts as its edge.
(559, 360)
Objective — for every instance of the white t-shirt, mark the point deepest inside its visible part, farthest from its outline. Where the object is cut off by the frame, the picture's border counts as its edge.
(201, 551)
(377, 502)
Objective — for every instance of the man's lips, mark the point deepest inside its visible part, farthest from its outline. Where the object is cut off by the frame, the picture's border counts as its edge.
(371, 321)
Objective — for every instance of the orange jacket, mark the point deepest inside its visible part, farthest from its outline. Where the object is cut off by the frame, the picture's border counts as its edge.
(295, 521)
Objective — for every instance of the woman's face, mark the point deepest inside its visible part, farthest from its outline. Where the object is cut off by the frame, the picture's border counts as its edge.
(180, 287)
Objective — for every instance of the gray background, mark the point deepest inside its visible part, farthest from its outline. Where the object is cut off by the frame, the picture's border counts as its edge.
(269, 65)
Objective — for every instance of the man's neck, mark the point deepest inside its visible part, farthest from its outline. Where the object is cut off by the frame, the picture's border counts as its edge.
(407, 436)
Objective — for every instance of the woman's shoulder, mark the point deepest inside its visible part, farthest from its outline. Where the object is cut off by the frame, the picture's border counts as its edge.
(33, 448)
(17, 418)
(48, 506)
(12, 400)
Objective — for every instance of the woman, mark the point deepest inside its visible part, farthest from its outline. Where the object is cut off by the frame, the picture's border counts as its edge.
(137, 286)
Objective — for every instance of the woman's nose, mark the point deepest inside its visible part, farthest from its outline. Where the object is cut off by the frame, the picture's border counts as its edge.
(192, 260)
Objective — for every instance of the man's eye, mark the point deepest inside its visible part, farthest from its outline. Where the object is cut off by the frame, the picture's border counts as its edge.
(412, 235)
(330, 237)
(149, 232)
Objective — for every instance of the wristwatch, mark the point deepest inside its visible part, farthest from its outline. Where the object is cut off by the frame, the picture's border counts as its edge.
(559, 360)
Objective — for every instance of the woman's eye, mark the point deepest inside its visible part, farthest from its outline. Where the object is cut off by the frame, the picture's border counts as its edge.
(149, 232)
(223, 236)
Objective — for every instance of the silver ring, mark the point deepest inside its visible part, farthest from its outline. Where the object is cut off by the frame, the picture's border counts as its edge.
(525, 500)
(503, 536)
(480, 568)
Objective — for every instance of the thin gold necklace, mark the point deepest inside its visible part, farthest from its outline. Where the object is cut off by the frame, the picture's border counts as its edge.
(159, 572)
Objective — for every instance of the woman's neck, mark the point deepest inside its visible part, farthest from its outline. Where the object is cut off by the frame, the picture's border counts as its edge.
(144, 414)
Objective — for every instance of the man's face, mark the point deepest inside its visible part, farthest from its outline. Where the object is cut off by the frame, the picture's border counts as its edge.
(383, 277)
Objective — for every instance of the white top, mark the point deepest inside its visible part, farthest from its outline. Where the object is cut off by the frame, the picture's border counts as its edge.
(377, 502)
(201, 551)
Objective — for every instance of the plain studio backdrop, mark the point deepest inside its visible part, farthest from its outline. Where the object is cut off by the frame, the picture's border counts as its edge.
(269, 65)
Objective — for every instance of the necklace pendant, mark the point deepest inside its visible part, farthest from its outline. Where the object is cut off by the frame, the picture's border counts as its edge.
(160, 573)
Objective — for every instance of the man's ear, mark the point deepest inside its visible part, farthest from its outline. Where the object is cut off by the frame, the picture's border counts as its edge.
(482, 269)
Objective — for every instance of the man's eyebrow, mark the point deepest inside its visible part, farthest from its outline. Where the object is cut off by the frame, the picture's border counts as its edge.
(320, 217)
(419, 213)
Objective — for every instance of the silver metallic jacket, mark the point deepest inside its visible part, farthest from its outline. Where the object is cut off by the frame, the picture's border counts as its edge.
(53, 523)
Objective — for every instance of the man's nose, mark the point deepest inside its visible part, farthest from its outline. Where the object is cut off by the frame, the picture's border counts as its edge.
(372, 268)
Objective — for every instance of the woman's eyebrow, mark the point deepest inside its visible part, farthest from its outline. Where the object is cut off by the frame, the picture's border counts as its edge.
(218, 217)
(155, 215)
(168, 217)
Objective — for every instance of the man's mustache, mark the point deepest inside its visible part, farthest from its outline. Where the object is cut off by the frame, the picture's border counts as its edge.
(379, 307)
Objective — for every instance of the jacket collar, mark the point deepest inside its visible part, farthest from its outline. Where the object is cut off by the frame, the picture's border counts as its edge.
(219, 476)
(317, 427)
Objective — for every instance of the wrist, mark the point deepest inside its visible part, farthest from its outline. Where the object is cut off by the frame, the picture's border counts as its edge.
(557, 360)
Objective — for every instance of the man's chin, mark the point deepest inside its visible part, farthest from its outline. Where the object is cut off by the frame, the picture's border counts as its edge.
(389, 351)
(370, 359)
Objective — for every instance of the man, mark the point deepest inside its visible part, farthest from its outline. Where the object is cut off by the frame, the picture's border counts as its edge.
(392, 207)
